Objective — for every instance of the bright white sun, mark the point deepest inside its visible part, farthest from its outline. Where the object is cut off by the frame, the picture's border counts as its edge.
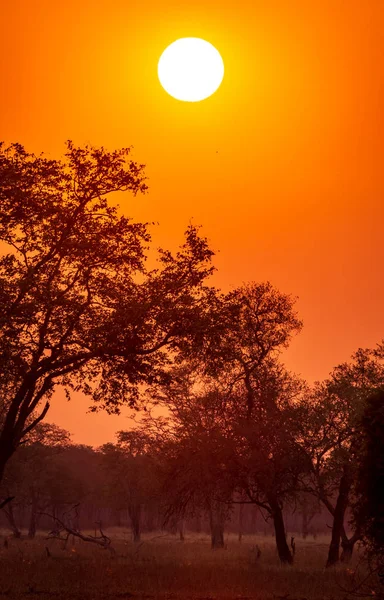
(190, 69)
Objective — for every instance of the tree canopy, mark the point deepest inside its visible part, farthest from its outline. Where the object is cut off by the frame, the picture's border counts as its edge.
(78, 306)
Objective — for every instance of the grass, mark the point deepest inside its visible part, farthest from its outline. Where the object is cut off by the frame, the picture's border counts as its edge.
(165, 568)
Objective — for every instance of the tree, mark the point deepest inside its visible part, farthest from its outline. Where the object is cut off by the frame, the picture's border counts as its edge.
(309, 507)
(245, 384)
(130, 475)
(194, 451)
(269, 459)
(32, 473)
(369, 508)
(239, 434)
(259, 323)
(332, 440)
(78, 307)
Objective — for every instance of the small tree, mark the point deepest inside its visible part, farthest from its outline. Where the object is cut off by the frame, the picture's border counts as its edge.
(32, 473)
(194, 453)
(130, 476)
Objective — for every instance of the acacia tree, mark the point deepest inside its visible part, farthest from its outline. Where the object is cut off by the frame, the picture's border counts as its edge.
(198, 465)
(33, 472)
(332, 440)
(130, 475)
(269, 459)
(78, 307)
(251, 405)
(259, 323)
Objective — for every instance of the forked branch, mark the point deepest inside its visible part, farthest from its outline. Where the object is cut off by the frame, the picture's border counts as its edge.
(63, 531)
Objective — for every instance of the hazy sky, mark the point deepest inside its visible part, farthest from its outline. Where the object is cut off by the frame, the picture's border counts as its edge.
(283, 166)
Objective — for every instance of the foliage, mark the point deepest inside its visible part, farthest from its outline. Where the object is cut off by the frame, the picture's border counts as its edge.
(369, 509)
(231, 428)
(331, 437)
(78, 307)
(130, 477)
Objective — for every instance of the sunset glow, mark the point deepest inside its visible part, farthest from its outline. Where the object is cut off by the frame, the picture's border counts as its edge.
(281, 166)
(191, 300)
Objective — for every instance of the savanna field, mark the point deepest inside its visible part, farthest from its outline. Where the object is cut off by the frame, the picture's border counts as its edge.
(162, 566)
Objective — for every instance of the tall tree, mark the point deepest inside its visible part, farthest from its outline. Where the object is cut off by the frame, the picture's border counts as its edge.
(253, 397)
(369, 508)
(260, 322)
(269, 458)
(332, 439)
(78, 307)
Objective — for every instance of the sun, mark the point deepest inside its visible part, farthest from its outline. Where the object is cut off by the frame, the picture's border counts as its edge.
(190, 69)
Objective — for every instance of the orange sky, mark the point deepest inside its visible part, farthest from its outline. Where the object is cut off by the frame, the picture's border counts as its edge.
(294, 193)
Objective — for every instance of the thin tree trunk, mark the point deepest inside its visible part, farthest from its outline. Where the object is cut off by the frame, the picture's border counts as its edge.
(134, 511)
(280, 534)
(304, 521)
(216, 520)
(198, 523)
(181, 530)
(241, 519)
(33, 518)
(8, 511)
(217, 536)
(118, 518)
(338, 518)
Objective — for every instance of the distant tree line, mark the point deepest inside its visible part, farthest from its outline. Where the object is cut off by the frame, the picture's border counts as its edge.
(117, 485)
(80, 309)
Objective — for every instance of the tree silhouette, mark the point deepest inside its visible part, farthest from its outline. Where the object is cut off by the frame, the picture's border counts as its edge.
(369, 511)
(130, 475)
(78, 307)
(239, 435)
(332, 440)
(259, 322)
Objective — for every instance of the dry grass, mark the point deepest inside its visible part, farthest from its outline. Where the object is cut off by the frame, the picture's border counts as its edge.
(163, 567)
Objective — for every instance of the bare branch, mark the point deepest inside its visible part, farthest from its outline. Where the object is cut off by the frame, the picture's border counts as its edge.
(62, 531)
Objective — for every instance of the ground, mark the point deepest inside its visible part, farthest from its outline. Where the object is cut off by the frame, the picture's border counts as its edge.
(162, 567)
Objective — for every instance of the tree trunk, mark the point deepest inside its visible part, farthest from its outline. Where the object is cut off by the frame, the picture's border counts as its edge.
(198, 524)
(347, 551)
(118, 518)
(347, 545)
(217, 536)
(181, 530)
(134, 511)
(280, 534)
(6, 451)
(254, 519)
(33, 518)
(8, 511)
(217, 520)
(241, 519)
(338, 518)
(304, 521)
